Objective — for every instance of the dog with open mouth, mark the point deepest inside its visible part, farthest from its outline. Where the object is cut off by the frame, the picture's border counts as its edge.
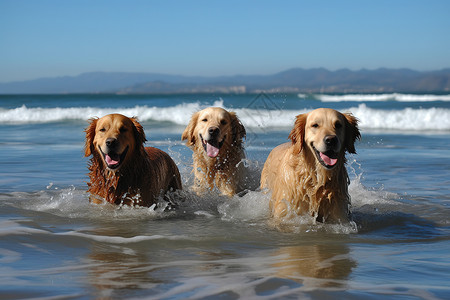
(216, 139)
(307, 176)
(122, 170)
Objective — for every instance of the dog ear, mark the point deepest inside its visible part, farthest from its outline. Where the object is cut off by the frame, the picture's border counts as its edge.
(237, 128)
(351, 132)
(188, 133)
(297, 134)
(139, 133)
(90, 134)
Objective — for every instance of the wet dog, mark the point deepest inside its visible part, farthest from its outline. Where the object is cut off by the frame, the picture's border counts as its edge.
(122, 170)
(308, 176)
(216, 139)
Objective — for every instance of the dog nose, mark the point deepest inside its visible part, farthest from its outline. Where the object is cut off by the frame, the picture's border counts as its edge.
(213, 131)
(330, 140)
(111, 142)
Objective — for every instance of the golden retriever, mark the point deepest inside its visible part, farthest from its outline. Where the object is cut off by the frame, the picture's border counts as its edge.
(215, 137)
(122, 170)
(307, 176)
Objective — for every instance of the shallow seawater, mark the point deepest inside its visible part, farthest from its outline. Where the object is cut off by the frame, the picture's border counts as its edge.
(54, 244)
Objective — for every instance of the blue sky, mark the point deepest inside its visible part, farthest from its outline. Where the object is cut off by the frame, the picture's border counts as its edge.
(49, 38)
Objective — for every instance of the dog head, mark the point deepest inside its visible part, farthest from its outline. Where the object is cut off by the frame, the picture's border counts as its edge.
(326, 133)
(213, 128)
(113, 138)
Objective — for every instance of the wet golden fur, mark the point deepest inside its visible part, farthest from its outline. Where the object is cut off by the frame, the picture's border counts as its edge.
(225, 170)
(300, 181)
(122, 170)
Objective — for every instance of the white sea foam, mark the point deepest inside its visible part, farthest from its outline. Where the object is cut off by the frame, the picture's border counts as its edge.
(251, 207)
(418, 119)
(405, 119)
(178, 114)
(408, 119)
(380, 97)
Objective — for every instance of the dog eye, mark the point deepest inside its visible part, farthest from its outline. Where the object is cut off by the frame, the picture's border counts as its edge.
(102, 130)
(223, 122)
(338, 125)
(315, 125)
(205, 120)
(123, 129)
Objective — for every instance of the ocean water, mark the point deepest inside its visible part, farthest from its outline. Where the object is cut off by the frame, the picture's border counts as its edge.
(54, 244)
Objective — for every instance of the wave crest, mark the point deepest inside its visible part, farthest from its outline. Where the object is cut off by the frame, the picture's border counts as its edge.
(408, 119)
(379, 97)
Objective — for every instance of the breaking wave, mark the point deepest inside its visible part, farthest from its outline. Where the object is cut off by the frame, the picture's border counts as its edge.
(409, 119)
(379, 97)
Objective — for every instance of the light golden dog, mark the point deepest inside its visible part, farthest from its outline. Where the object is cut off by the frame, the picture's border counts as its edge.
(215, 136)
(122, 171)
(307, 176)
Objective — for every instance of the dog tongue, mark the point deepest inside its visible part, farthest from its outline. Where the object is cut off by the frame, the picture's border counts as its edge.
(328, 160)
(110, 161)
(211, 151)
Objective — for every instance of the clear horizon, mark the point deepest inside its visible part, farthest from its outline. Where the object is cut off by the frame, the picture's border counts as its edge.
(49, 38)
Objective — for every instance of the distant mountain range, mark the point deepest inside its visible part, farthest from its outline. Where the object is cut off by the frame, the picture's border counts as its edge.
(291, 81)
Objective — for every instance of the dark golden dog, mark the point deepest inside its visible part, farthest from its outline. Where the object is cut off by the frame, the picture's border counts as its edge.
(308, 175)
(122, 171)
(215, 136)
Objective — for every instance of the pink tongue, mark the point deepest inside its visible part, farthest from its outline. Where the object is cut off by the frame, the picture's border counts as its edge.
(328, 160)
(211, 151)
(110, 161)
